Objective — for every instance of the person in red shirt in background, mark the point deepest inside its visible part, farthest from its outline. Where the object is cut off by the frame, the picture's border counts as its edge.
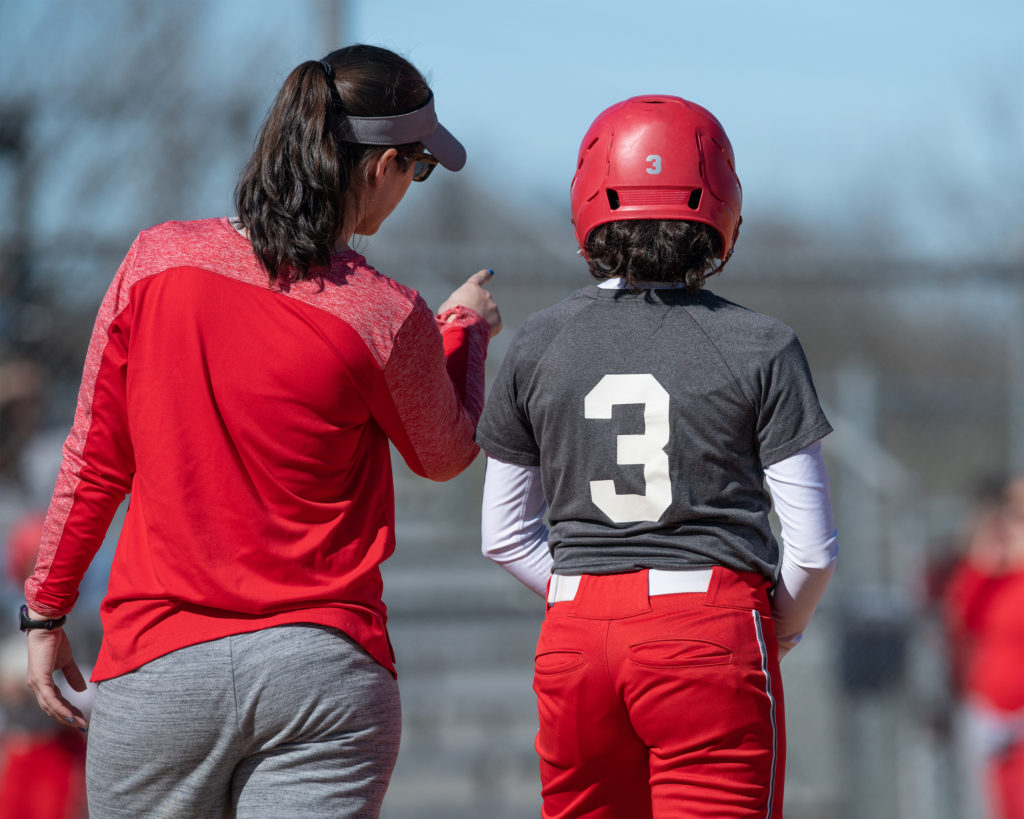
(244, 383)
(42, 763)
(985, 610)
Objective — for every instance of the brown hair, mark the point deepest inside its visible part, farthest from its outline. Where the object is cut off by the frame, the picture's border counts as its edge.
(658, 250)
(291, 194)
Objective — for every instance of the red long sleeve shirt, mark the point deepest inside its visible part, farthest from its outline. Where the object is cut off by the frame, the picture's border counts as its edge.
(986, 617)
(250, 426)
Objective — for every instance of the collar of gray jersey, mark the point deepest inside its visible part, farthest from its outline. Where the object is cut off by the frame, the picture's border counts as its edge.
(420, 125)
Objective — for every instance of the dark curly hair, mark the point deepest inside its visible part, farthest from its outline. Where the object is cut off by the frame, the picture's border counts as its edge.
(655, 250)
(291, 195)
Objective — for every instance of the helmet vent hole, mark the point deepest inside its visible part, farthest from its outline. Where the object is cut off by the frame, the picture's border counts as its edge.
(694, 201)
(613, 199)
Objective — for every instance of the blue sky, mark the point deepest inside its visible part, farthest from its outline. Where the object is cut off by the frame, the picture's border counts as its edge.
(838, 112)
(905, 115)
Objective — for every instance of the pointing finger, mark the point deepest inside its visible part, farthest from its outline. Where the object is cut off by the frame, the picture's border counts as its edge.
(481, 277)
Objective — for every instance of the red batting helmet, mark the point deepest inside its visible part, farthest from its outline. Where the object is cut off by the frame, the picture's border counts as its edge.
(656, 157)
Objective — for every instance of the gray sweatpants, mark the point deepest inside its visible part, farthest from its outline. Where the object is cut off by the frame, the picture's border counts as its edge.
(295, 721)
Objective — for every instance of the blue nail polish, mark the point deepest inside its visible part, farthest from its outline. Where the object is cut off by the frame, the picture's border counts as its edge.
(491, 272)
(69, 719)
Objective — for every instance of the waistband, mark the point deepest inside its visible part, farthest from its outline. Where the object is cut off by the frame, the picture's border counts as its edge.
(563, 588)
(613, 596)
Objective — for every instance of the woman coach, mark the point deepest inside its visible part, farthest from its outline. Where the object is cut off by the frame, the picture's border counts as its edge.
(244, 380)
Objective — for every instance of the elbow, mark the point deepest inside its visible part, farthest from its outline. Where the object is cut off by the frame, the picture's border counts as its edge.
(491, 552)
(444, 469)
(491, 545)
(496, 550)
(499, 546)
(830, 554)
(826, 562)
(821, 558)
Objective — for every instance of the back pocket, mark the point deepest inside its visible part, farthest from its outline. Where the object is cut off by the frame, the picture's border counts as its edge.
(679, 654)
(557, 662)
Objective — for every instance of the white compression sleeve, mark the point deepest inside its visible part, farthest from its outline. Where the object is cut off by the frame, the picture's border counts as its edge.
(800, 492)
(514, 535)
(512, 523)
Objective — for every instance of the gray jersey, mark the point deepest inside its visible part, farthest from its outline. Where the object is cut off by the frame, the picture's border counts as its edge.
(652, 417)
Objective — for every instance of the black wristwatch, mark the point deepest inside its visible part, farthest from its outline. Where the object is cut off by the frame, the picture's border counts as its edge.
(27, 622)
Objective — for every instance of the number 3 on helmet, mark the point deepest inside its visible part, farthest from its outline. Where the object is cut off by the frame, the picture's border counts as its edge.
(656, 157)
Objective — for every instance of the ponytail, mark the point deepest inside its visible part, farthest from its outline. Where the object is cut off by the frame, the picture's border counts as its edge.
(291, 195)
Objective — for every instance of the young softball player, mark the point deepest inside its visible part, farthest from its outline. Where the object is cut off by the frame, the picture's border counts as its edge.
(244, 382)
(644, 416)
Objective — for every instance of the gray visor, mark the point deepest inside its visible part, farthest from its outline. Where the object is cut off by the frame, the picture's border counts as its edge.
(420, 125)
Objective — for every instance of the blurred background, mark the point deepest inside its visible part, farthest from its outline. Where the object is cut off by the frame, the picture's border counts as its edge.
(881, 150)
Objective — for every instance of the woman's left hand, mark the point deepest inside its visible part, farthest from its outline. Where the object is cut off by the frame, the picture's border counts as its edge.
(50, 651)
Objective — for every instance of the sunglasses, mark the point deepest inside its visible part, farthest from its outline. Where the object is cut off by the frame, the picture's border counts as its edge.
(424, 164)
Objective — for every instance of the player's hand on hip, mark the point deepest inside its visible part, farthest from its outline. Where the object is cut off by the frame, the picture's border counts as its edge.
(473, 295)
(50, 651)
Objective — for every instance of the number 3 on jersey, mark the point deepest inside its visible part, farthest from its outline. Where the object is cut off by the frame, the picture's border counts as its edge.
(647, 449)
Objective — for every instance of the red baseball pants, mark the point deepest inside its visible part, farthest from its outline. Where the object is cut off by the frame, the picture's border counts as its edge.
(660, 706)
(1006, 781)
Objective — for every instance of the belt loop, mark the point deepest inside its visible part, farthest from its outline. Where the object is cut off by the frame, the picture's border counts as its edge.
(563, 588)
(662, 581)
(716, 581)
(552, 589)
